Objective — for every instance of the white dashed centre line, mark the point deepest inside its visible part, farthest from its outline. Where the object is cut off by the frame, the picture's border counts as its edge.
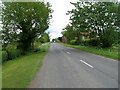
(68, 52)
(86, 63)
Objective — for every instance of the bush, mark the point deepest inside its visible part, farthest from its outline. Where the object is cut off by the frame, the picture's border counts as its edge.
(91, 42)
(36, 46)
(4, 56)
(109, 37)
(115, 45)
(13, 53)
(10, 46)
(74, 42)
(44, 47)
(94, 42)
(85, 41)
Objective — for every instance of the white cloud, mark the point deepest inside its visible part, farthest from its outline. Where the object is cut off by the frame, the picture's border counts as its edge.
(60, 19)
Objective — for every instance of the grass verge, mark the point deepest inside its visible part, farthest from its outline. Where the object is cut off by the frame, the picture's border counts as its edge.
(19, 72)
(107, 52)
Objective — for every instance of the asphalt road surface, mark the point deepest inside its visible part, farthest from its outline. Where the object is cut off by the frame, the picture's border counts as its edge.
(66, 67)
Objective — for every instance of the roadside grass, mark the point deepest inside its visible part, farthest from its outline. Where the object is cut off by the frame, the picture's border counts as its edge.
(19, 72)
(107, 52)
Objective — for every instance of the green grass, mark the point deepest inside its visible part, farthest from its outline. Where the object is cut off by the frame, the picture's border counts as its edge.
(107, 52)
(19, 72)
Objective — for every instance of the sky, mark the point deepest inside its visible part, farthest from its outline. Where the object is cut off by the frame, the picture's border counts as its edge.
(59, 19)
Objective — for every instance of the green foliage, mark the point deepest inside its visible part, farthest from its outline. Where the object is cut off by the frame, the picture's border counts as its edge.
(44, 38)
(85, 41)
(116, 45)
(23, 21)
(36, 46)
(108, 38)
(4, 56)
(74, 42)
(19, 72)
(10, 52)
(60, 39)
(91, 42)
(69, 33)
(97, 16)
(13, 53)
(44, 47)
(40, 47)
(108, 52)
(94, 42)
(11, 46)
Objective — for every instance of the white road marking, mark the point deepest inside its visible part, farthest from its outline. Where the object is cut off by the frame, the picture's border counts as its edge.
(87, 64)
(68, 52)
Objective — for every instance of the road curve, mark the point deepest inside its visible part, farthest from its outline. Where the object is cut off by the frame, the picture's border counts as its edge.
(66, 67)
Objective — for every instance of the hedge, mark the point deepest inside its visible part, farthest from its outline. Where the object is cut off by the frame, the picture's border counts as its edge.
(36, 46)
(4, 56)
(94, 42)
(85, 41)
(91, 42)
(73, 42)
(13, 53)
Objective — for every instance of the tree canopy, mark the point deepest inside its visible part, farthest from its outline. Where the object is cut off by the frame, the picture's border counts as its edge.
(44, 38)
(69, 33)
(100, 17)
(23, 21)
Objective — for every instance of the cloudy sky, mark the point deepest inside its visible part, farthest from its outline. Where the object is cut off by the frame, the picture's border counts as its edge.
(60, 19)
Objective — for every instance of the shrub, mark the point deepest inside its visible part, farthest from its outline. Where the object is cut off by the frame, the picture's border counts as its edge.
(44, 47)
(36, 46)
(94, 42)
(13, 53)
(115, 45)
(91, 42)
(109, 37)
(10, 46)
(85, 41)
(4, 56)
(74, 42)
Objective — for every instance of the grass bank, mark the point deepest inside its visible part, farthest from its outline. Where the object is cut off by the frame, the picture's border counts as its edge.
(19, 72)
(107, 52)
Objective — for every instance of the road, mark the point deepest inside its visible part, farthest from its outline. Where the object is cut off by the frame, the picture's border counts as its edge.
(66, 67)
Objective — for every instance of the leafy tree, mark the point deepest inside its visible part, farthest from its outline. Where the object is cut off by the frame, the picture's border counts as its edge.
(105, 22)
(79, 19)
(53, 40)
(108, 38)
(95, 16)
(44, 38)
(23, 21)
(69, 33)
(104, 16)
(60, 39)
